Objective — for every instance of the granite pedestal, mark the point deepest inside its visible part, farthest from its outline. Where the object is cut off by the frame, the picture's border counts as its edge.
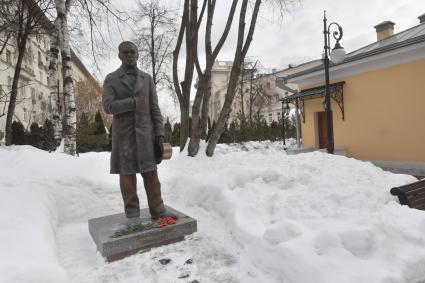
(112, 248)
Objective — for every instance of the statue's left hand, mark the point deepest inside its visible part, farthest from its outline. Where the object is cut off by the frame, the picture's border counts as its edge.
(159, 148)
(159, 139)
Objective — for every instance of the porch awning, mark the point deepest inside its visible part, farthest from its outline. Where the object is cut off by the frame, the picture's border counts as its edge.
(336, 91)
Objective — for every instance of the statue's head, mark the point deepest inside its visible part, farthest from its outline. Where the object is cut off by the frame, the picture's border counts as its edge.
(128, 53)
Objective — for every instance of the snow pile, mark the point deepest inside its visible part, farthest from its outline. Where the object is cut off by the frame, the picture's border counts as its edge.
(263, 216)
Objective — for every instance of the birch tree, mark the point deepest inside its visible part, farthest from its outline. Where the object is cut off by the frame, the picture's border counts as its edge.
(62, 41)
(92, 10)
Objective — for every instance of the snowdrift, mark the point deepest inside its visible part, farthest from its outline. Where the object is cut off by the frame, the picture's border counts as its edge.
(263, 216)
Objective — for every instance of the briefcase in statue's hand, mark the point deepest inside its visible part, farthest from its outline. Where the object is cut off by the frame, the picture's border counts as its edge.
(162, 151)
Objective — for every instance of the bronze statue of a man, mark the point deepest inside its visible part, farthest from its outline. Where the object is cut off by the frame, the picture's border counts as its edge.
(129, 94)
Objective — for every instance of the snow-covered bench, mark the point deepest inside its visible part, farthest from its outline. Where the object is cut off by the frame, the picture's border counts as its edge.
(412, 194)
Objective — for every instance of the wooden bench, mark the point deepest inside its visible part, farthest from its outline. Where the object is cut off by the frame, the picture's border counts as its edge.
(412, 194)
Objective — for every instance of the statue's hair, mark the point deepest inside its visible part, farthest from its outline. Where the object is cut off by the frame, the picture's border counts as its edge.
(122, 44)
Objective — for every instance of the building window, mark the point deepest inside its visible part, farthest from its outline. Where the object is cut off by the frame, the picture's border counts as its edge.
(278, 115)
(22, 89)
(8, 57)
(40, 62)
(268, 85)
(270, 117)
(41, 77)
(33, 98)
(25, 114)
(9, 82)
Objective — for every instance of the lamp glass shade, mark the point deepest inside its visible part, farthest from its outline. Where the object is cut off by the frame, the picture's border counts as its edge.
(337, 54)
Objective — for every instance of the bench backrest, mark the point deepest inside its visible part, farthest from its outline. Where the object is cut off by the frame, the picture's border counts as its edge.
(412, 194)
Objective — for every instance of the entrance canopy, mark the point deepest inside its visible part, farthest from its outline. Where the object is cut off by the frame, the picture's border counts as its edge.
(336, 92)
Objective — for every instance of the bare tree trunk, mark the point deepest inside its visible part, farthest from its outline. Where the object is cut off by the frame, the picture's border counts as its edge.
(241, 50)
(24, 29)
(184, 120)
(153, 59)
(14, 91)
(4, 42)
(242, 90)
(62, 8)
(196, 133)
(206, 104)
(176, 83)
(251, 97)
(53, 84)
(189, 25)
(200, 124)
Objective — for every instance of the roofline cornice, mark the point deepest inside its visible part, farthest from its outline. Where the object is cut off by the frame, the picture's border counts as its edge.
(371, 63)
(360, 56)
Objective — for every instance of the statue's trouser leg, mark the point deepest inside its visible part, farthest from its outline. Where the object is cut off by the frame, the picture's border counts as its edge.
(153, 192)
(128, 185)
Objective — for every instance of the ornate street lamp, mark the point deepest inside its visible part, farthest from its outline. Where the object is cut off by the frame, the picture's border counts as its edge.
(283, 124)
(337, 55)
(285, 111)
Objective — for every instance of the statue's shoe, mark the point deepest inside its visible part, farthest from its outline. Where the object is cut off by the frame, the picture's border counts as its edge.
(133, 221)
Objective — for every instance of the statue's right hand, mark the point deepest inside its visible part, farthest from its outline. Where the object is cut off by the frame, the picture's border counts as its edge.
(139, 103)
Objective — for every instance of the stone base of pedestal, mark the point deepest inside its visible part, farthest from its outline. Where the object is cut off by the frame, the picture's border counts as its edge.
(103, 231)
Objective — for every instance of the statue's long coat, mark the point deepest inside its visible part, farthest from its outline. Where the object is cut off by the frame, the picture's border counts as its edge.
(133, 127)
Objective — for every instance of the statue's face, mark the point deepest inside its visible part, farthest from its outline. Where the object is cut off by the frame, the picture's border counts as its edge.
(128, 54)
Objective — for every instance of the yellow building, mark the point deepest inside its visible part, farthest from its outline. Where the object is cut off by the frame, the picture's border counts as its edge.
(378, 101)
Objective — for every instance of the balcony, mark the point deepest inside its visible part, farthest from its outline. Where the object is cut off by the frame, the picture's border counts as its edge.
(28, 72)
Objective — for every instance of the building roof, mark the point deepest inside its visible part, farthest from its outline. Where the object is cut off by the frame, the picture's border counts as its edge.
(407, 37)
(83, 69)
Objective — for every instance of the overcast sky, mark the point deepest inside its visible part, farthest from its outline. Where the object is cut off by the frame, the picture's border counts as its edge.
(298, 36)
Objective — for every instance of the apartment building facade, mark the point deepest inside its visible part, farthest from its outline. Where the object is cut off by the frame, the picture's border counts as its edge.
(34, 102)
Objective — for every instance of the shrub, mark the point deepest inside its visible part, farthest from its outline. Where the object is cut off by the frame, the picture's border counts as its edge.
(19, 137)
(91, 136)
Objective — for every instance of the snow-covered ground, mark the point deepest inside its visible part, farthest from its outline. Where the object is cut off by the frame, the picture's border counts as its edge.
(263, 216)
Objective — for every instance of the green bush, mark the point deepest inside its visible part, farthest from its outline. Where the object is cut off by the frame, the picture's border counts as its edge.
(91, 136)
(19, 136)
(48, 134)
(39, 137)
(175, 136)
(242, 130)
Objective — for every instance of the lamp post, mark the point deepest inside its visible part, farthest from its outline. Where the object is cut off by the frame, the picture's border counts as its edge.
(337, 55)
(285, 111)
(283, 125)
